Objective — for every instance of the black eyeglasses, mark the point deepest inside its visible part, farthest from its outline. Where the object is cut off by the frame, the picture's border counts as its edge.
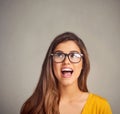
(74, 57)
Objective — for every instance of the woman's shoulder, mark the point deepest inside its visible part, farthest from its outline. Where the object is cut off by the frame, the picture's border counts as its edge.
(96, 103)
(97, 99)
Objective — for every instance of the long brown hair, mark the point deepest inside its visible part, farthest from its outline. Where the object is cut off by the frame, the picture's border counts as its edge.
(45, 99)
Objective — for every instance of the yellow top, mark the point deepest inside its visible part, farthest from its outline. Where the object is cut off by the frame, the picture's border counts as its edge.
(96, 105)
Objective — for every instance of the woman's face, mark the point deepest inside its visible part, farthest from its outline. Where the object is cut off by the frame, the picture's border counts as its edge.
(67, 72)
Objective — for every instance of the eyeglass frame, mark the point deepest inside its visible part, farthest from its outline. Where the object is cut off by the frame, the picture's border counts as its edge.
(68, 55)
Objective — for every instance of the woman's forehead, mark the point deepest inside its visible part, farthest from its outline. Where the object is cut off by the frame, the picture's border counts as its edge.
(67, 46)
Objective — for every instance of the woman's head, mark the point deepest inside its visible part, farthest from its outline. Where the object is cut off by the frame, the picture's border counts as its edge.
(66, 43)
(67, 54)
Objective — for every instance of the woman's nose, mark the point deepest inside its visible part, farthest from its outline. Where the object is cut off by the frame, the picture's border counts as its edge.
(66, 60)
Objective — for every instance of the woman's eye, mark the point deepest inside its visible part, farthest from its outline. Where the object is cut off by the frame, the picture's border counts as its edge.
(59, 55)
(75, 55)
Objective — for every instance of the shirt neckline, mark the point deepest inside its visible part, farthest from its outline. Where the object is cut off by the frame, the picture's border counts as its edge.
(87, 102)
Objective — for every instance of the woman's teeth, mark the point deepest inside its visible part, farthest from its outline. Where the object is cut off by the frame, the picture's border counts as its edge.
(67, 72)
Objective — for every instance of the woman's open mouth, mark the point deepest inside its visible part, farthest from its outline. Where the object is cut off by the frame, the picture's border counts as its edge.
(66, 72)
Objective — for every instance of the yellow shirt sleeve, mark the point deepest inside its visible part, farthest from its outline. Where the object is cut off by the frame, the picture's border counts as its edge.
(96, 105)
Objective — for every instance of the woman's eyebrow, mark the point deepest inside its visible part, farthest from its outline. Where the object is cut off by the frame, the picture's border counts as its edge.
(72, 51)
(58, 51)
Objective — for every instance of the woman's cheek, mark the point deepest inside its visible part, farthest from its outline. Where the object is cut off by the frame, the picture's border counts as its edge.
(56, 69)
(78, 69)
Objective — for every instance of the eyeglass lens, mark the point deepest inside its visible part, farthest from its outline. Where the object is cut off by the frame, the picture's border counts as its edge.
(73, 57)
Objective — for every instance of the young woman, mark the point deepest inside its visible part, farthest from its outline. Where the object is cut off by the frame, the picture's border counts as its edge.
(62, 87)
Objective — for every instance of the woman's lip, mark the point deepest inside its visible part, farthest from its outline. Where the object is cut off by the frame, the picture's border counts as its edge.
(66, 75)
(66, 69)
(66, 72)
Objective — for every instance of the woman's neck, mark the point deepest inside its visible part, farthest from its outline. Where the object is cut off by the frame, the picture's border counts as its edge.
(69, 92)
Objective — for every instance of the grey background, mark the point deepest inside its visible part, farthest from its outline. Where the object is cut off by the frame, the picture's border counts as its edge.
(28, 26)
